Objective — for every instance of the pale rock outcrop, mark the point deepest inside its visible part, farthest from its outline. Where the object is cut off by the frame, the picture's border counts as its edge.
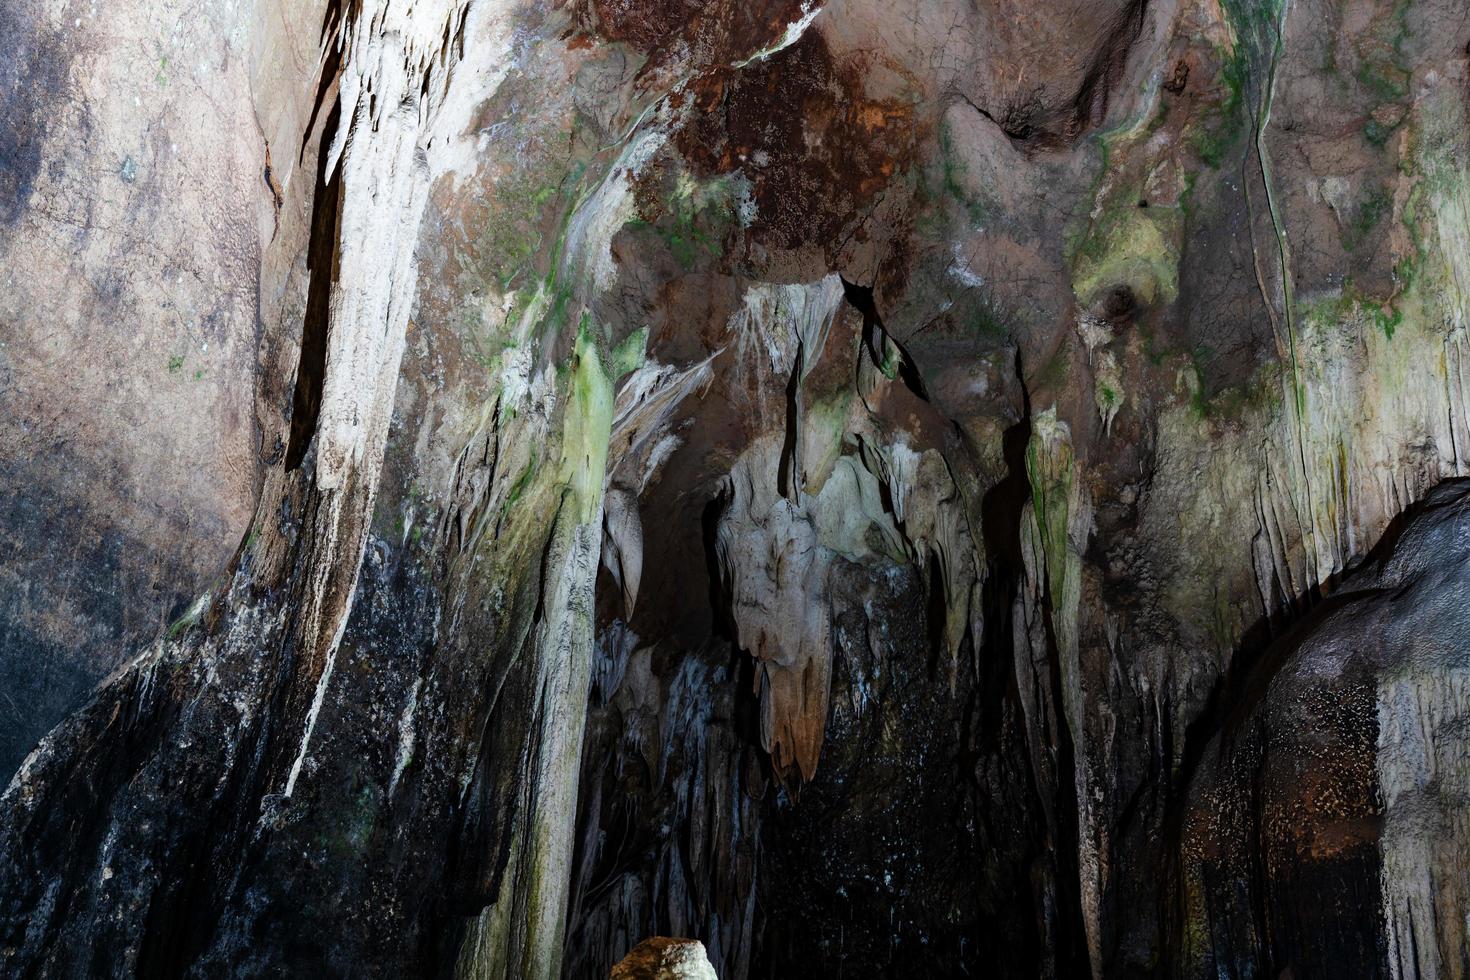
(665, 959)
(776, 557)
(776, 573)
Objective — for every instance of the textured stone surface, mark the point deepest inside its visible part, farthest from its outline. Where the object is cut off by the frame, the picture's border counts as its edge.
(1341, 771)
(131, 161)
(665, 959)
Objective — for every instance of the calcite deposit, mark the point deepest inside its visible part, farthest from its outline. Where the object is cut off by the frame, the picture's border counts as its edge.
(844, 488)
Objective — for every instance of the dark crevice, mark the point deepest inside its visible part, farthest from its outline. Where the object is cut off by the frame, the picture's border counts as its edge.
(722, 617)
(875, 336)
(1054, 929)
(1002, 505)
(1001, 511)
(745, 707)
(1068, 934)
(1018, 123)
(788, 476)
(321, 260)
(936, 613)
(332, 23)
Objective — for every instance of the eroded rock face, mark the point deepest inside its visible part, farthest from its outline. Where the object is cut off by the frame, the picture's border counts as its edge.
(872, 487)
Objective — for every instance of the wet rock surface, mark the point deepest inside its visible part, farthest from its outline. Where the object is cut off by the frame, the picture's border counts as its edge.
(877, 489)
(1309, 821)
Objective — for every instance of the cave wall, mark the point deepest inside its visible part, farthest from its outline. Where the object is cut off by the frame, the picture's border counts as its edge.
(136, 175)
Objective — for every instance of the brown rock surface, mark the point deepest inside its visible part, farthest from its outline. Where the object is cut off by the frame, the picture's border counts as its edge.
(660, 958)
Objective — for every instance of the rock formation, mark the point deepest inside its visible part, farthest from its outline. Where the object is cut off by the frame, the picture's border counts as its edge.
(878, 489)
(665, 959)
